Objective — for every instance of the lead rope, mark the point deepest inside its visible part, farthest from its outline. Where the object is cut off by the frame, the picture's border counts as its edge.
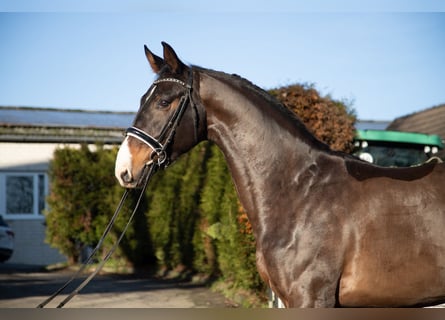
(151, 171)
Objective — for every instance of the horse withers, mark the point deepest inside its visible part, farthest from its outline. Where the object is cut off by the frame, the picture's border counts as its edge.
(330, 229)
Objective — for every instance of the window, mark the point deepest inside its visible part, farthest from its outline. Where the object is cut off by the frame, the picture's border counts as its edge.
(22, 195)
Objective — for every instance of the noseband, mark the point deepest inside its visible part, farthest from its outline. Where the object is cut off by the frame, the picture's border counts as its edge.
(160, 144)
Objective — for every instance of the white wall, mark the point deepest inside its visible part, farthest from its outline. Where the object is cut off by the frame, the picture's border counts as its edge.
(27, 156)
(29, 242)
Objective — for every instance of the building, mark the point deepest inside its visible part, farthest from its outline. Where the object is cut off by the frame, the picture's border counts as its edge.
(428, 121)
(28, 138)
(371, 125)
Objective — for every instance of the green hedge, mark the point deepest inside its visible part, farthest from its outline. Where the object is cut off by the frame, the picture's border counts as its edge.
(82, 199)
(190, 219)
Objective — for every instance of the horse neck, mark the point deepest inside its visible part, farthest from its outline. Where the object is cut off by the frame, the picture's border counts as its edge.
(263, 144)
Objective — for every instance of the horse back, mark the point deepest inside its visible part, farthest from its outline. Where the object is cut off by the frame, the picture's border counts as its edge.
(398, 250)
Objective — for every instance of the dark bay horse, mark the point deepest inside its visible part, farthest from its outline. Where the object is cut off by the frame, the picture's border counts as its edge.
(330, 230)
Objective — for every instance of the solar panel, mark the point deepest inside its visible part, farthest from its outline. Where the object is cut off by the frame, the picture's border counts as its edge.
(59, 117)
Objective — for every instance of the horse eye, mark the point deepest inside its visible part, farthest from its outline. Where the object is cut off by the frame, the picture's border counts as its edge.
(163, 103)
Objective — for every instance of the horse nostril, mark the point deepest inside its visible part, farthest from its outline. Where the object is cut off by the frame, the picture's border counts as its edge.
(126, 176)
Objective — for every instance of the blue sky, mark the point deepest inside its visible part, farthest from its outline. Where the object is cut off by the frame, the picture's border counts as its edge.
(388, 60)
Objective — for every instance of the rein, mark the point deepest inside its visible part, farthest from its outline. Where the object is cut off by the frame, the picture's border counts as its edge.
(151, 170)
(158, 158)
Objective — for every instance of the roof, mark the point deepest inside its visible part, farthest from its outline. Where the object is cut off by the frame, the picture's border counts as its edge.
(429, 121)
(23, 124)
(66, 118)
(371, 124)
(400, 137)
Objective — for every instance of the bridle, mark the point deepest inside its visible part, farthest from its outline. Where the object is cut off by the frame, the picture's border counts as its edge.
(159, 157)
(160, 144)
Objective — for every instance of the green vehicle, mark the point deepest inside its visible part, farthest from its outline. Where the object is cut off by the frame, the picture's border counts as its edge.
(395, 148)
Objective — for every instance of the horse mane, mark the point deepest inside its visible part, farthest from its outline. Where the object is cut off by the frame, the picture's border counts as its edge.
(245, 83)
(236, 80)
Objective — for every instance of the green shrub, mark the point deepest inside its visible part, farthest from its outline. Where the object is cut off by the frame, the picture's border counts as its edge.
(173, 210)
(83, 197)
(188, 219)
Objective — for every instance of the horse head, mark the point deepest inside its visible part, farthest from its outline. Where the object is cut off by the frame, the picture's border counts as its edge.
(169, 121)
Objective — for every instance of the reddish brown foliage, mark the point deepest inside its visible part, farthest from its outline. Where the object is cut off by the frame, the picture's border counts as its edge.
(329, 120)
(243, 221)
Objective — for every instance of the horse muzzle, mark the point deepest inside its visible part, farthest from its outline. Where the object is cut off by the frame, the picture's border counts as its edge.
(131, 161)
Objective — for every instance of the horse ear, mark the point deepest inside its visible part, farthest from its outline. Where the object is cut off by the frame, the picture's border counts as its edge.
(156, 62)
(171, 59)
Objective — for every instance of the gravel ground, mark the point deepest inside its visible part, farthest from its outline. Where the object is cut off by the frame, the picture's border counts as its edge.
(27, 286)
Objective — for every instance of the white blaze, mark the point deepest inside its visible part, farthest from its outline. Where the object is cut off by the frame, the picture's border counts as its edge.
(123, 161)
